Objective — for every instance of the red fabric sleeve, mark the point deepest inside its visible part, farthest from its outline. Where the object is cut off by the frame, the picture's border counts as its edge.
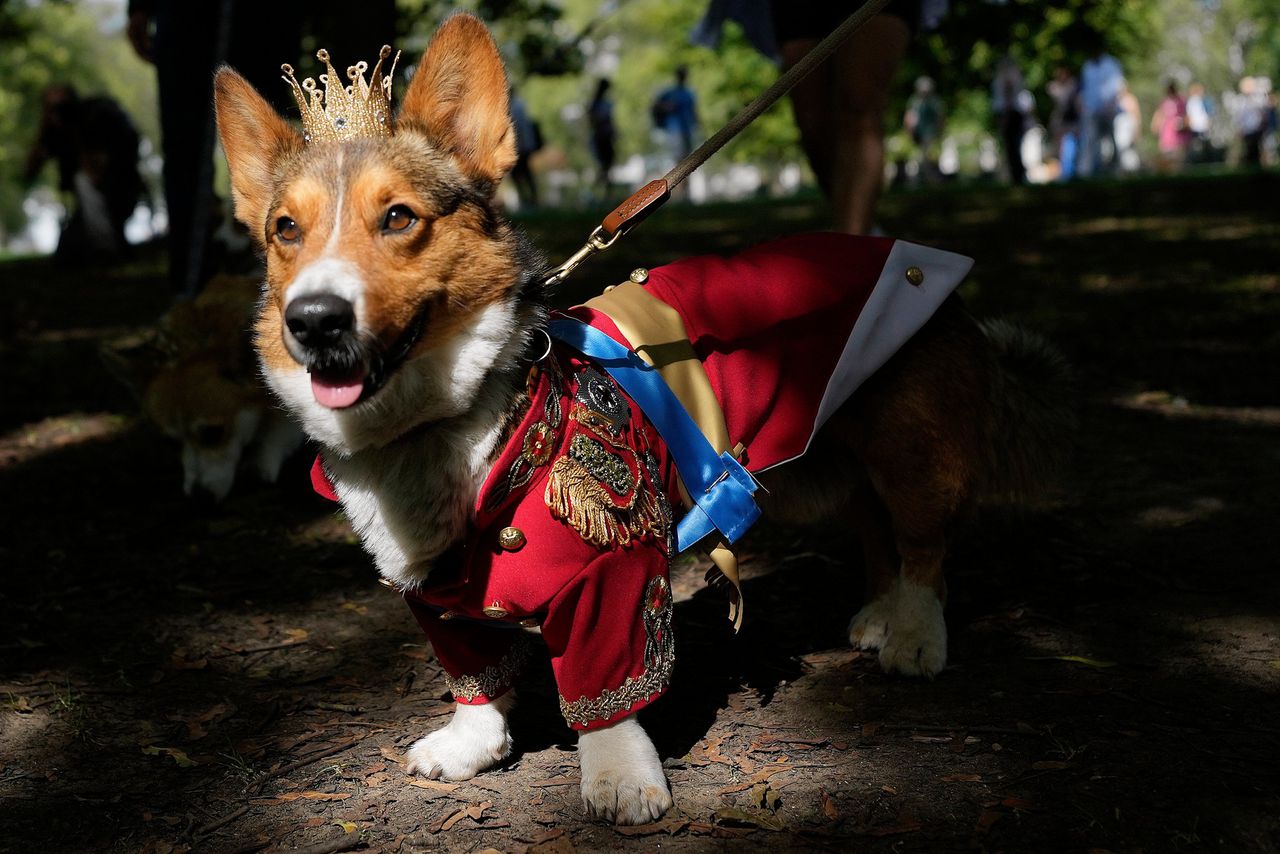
(609, 635)
(480, 661)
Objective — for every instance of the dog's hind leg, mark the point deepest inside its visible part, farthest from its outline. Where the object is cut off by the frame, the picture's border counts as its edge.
(880, 559)
(919, 428)
(475, 739)
(622, 779)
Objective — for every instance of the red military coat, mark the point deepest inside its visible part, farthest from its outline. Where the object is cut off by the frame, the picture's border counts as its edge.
(573, 527)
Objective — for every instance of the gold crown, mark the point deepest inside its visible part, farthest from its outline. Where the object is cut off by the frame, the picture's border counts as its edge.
(361, 110)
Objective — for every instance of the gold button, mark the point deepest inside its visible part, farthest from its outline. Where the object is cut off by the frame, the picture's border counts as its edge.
(639, 275)
(511, 539)
(447, 615)
(495, 611)
(529, 623)
(389, 584)
(915, 276)
(609, 288)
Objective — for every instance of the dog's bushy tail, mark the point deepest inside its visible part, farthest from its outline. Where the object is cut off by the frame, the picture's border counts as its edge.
(1034, 407)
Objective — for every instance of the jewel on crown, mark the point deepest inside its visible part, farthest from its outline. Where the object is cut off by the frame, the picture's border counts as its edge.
(338, 112)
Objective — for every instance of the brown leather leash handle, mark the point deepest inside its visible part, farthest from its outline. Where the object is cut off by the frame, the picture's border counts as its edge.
(637, 206)
(651, 196)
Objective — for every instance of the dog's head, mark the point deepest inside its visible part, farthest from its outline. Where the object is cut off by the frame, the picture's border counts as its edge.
(194, 376)
(393, 287)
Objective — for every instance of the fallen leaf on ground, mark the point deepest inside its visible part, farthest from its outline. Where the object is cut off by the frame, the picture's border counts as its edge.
(1018, 803)
(1076, 659)
(764, 797)
(180, 661)
(473, 812)
(943, 739)
(556, 781)
(544, 836)
(388, 753)
(759, 777)
(183, 760)
(561, 845)
(433, 785)
(828, 805)
(962, 778)
(988, 818)
(773, 743)
(347, 826)
(669, 825)
(289, 797)
(833, 658)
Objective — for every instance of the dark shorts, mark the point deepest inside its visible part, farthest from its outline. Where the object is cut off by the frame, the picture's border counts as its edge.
(811, 20)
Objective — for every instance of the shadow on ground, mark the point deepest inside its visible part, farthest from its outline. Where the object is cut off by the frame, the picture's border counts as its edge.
(235, 680)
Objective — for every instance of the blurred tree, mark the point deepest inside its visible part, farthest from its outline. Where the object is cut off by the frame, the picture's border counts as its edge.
(42, 43)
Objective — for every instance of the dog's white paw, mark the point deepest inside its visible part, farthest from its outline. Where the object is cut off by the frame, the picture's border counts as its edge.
(476, 739)
(870, 626)
(622, 779)
(908, 628)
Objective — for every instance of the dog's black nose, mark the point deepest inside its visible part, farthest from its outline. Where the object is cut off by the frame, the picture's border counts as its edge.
(319, 321)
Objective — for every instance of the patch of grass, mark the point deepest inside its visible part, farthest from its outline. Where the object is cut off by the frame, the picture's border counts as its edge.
(75, 713)
(237, 767)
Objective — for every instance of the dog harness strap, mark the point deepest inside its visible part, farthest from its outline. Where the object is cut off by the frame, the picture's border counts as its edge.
(720, 487)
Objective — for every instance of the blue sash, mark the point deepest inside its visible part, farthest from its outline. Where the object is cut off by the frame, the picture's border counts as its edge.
(718, 484)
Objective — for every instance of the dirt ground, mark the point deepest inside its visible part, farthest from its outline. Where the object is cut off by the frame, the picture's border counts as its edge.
(176, 678)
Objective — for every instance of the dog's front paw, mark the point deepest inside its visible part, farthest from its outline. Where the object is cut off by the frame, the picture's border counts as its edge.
(916, 642)
(870, 626)
(622, 779)
(476, 739)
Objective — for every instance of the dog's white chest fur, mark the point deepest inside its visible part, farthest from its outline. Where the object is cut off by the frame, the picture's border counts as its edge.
(411, 500)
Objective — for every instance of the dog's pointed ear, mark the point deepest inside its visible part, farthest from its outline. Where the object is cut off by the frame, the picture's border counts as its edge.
(255, 140)
(458, 98)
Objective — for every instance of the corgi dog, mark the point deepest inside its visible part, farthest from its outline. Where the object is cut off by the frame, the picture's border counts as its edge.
(499, 479)
(197, 381)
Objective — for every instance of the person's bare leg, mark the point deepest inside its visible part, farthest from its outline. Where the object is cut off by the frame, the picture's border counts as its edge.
(813, 105)
(864, 70)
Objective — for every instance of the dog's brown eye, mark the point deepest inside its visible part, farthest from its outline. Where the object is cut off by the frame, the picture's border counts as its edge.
(287, 230)
(398, 218)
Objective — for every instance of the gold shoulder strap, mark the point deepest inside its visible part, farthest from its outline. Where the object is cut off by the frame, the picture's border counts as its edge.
(657, 334)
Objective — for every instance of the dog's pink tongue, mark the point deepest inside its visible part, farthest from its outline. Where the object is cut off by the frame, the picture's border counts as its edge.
(337, 394)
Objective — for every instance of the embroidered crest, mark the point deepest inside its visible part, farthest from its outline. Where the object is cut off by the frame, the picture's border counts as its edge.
(659, 662)
(598, 487)
(535, 450)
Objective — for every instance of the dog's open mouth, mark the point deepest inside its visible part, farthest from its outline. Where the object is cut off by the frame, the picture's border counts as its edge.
(344, 376)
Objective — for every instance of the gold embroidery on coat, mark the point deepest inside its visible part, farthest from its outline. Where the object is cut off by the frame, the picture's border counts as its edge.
(659, 661)
(493, 679)
(535, 449)
(598, 486)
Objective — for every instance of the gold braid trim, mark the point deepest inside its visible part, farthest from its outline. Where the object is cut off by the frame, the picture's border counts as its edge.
(493, 679)
(660, 661)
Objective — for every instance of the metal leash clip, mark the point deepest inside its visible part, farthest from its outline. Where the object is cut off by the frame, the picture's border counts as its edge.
(597, 242)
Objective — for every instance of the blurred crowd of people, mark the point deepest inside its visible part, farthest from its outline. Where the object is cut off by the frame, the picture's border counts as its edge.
(1092, 125)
